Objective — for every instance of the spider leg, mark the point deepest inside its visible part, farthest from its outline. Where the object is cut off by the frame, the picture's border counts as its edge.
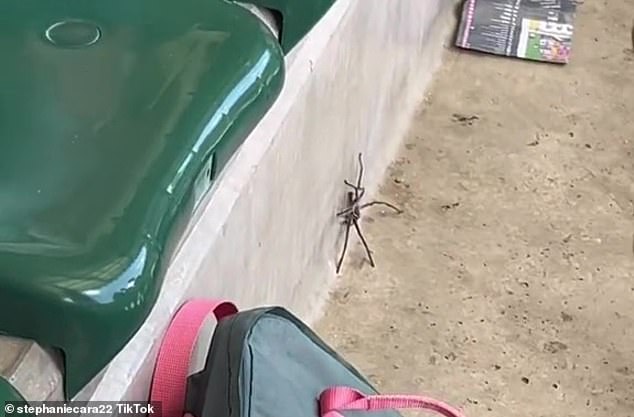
(381, 203)
(365, 244)
(358, 191)
(354, 187)
(360, 177)
(345, 245)
(345, 212)
(361, 194)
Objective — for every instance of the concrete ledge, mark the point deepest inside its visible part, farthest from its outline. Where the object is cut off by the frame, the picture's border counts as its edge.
(269, 234)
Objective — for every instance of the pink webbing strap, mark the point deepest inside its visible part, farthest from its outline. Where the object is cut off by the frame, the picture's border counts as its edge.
(337, 399)
(170, 373)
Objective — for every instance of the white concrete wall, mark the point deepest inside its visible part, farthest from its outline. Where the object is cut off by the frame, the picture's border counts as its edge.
(269, 234)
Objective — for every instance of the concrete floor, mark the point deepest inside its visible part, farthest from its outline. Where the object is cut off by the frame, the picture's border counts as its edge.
(507, 286)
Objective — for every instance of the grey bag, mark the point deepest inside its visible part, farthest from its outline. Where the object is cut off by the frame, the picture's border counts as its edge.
(266, 363)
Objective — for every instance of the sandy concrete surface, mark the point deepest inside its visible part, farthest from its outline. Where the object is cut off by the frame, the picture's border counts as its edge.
(507, 286)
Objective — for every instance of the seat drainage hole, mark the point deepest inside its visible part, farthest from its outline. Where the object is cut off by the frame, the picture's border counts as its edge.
(73, 34)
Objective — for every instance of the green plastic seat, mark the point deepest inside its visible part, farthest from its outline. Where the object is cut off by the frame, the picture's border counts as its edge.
(11, 400)
(115, 118)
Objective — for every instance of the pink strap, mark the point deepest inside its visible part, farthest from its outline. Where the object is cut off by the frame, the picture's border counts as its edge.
(337, 399)
(170, 373)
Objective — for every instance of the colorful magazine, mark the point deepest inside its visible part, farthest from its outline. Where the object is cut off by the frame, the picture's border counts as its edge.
(539, 30)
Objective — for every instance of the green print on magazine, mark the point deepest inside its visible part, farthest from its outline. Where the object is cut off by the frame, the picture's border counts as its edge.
(115, 119)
